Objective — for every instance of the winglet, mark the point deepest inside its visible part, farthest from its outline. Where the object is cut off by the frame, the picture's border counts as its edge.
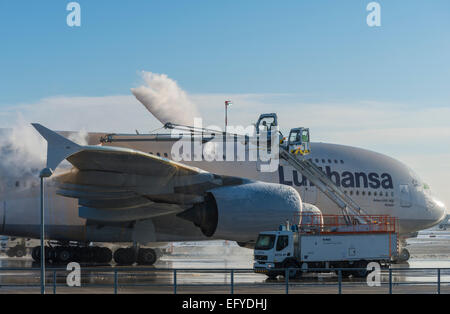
(58, 148)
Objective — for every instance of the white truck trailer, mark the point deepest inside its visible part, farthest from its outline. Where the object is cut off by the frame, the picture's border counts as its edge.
(326, 242)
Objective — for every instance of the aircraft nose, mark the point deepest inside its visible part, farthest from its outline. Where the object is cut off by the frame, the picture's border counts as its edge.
(437, 210)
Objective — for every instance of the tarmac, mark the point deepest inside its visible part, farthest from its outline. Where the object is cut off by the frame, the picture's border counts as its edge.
(203, 268)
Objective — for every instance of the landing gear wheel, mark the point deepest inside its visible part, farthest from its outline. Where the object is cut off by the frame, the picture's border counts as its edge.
(124, 256)
(102, 255)
(404, 256)
(36, 254)
(63, 254)
(86, 255)
(20, 251)
(11, 252)
(147, 257)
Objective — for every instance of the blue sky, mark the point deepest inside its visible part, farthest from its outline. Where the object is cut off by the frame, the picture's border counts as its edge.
(316, 63)
(322, 50)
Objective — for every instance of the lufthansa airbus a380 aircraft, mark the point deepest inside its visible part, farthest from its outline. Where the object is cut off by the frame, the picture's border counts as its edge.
(129, 190)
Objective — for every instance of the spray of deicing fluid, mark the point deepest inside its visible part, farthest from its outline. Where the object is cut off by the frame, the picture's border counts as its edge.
(165, 99)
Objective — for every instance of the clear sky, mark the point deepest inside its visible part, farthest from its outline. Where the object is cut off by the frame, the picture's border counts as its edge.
(322, 49)
(315, 62)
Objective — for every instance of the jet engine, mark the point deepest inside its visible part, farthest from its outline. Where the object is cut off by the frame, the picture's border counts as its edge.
(241, 212)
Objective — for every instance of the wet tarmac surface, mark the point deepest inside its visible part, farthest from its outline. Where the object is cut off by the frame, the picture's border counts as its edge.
(207, 269)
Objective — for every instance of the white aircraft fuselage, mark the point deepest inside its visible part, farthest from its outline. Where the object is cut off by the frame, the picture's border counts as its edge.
(379, 184)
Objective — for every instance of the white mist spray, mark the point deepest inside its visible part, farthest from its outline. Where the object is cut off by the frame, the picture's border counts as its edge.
(22, 154)
(165, 99)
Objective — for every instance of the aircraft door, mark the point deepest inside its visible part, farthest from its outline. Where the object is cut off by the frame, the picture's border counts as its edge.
(284, 246)
(405, 195)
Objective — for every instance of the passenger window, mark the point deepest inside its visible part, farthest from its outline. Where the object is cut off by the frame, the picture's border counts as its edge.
(282, 242)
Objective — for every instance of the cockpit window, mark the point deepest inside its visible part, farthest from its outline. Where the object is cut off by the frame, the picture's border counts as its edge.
(265, 242)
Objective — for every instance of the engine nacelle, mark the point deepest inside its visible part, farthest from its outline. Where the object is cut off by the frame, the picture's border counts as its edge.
(241, 212)
(311, 215)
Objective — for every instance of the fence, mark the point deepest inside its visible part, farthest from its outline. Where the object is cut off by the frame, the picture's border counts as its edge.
(166, 280)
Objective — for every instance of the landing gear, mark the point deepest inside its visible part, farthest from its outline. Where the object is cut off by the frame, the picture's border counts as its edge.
(17, 251)
(147, 257)
(403, 257)
(67, 254)
(36, 254)
(128, 256)
(125, 256)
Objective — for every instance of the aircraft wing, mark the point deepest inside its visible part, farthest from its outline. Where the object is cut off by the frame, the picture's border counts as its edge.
(114, 184)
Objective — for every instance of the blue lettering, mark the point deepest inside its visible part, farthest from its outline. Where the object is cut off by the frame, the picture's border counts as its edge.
(374, 180)
(386, 183)
(335, 175)
(346, 179)
(281, 176)
(358, 176)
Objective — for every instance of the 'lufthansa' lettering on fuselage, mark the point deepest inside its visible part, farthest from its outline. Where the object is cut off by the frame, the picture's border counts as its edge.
(345, 179)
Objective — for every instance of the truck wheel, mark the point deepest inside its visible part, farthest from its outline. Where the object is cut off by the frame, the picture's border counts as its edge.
(293, 269)
(272, 275)
(362, 272)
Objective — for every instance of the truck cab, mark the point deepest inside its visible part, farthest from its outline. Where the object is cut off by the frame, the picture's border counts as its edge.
(274, 250)
(298, 141)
